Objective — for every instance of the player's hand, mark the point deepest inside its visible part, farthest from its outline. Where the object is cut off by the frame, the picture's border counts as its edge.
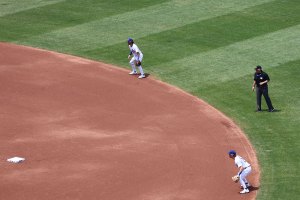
(235, 178)
(253, 88)
(128, 57)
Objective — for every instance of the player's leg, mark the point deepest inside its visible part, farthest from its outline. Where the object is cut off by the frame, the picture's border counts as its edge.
(258, 98)
(243, 184)
(243, 180)
(247, 172)
(267, 98)
(246, 183)
(132, 63)
(141, 68)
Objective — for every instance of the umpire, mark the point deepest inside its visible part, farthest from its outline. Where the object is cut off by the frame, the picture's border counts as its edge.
(261, 80)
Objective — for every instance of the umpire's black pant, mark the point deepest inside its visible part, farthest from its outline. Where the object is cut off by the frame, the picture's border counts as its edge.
(263, 90)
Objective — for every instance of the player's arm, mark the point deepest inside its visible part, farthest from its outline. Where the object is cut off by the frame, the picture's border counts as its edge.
(241, 168)
(129, 55)
(254, 82)
(253, 85)
(266, 81)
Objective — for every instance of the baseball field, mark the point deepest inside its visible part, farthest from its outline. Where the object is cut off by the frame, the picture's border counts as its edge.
(207, 48)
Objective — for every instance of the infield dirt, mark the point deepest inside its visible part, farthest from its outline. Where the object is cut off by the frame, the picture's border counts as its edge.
(88, 130)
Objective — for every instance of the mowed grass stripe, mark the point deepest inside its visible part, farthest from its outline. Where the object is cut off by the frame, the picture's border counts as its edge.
(269, 50)
(204, 35)
(14, 6)
(64, 14)
(275, 135)
(138, 23)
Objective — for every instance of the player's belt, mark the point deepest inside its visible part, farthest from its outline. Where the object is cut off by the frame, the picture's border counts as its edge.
(247, 167)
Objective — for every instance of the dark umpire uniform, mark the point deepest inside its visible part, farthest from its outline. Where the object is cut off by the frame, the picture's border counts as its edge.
(261, 80)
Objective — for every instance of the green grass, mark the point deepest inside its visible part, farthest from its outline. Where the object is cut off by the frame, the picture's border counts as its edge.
(206, 34)
(210, 53)
(68, 13)
(13, 6)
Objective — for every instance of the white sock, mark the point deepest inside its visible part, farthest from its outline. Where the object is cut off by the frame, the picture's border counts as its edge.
(141, 70)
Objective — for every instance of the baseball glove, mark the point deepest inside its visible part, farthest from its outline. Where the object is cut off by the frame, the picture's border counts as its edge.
(138, 63)
(235, 178)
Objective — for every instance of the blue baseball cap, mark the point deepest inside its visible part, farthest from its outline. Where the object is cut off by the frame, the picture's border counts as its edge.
(130, 40)
(232, 152)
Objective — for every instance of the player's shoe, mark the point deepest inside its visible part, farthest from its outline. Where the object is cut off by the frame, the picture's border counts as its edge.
(247, 185)
(142, 76)
(244, 191)
(133, 73)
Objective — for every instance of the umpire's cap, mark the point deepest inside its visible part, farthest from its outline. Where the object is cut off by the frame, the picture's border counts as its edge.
(258, 67)
(232, 152)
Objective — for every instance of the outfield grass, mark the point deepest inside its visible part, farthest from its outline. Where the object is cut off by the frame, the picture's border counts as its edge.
(208, 48)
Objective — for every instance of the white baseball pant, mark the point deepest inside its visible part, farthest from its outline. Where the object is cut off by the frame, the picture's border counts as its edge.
(132, 63)
(243, 176)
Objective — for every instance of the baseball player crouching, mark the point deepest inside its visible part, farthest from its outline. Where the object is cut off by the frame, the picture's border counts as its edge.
(244, 171)
(137, 58)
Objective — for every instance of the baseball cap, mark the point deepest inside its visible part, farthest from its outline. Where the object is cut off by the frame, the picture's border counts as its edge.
(258, 67)
(232, 152)
(130, 40)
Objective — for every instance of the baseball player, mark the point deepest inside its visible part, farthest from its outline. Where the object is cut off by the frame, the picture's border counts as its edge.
(136, 60)
(244, 170)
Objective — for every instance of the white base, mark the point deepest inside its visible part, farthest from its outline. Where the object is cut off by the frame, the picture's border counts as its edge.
(15, 160)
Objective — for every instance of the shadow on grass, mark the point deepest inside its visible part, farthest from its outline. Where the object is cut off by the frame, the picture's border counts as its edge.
(266, 110)
(253, 188)
(146, 74)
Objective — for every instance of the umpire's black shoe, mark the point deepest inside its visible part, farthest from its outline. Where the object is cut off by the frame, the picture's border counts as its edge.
(272, 110)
